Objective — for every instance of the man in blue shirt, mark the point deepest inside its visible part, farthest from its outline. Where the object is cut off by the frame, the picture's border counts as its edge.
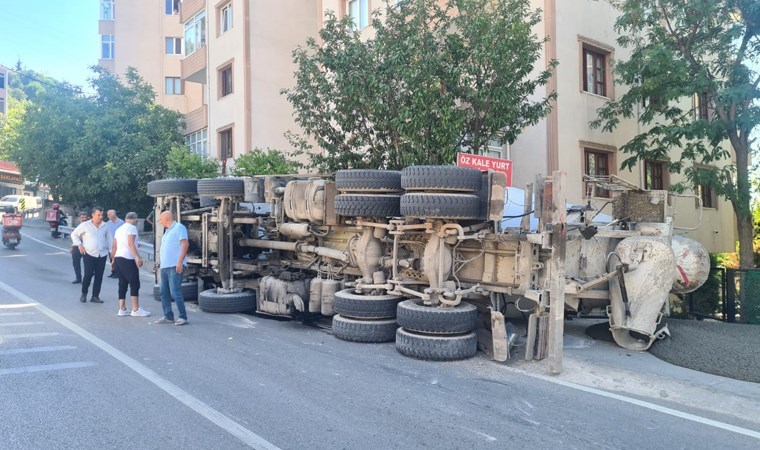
(174, 246)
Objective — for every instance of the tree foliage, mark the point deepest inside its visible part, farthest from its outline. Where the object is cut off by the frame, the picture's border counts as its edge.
(101, 148)
(436, 77)
(259, 162)
(684, 54)
(183, 163)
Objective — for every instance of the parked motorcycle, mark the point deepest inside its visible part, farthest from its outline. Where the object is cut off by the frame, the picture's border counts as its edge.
(12, 222)
(55, 218)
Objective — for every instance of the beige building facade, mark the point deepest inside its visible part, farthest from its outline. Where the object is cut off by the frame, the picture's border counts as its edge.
(583, 41)
(147, 35)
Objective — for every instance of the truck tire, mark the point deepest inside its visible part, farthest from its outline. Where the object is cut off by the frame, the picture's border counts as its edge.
(235, 302)
(440, 178)
(189, 291)
(173, 186)
(440, 206)
(416, 317)
(368, 331)
(367, 205)
(222, 186)
(436, 348)
(356, 306)
(366, 180)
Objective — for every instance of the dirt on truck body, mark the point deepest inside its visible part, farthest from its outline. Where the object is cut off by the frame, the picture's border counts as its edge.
(420, 256)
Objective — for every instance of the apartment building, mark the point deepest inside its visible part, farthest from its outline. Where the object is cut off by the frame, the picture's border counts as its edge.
(239, 53)
(4, 89)
(583, 40)
(148, 35)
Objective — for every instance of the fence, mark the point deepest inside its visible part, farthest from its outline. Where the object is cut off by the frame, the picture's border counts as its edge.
(731, 295)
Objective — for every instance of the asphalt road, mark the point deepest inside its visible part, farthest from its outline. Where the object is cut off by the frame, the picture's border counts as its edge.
(74, 375)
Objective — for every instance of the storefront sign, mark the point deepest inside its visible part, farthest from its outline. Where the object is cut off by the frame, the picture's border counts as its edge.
(486, 163)
(11, 178)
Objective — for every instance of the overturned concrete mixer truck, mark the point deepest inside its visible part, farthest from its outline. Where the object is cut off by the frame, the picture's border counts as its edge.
(425, 258)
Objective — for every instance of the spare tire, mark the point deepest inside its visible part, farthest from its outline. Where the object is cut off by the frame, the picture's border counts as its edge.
(440, 206)
(235, 302)
(367, 180)
(222, 186)
(173, 186)
(441, 178)
(367, 205)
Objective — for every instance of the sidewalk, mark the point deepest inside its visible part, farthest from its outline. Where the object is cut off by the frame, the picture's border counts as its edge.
(604, 365)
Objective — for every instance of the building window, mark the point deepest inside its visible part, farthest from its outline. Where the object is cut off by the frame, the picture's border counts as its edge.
(701, 106)
(597, 164)
(655, 175)
(359, 12)
(171, 7)
(198, 142)
(594, 71)
(2, 105)
(225, 18)
(225, 81)
(106, 9)
(173, 46)
(195, 33)
(707, 194)
(173, 86)
(2, 81)
(225, 144)
(106, 46)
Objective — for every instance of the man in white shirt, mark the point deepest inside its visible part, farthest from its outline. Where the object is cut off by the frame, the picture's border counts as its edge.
(126, 263)
(114, 222)
(93, 237)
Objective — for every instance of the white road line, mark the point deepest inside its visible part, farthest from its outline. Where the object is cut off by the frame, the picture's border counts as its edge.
(45, 243)
(16, 305)
(641, 403)
(17, 314)
(46, 367)
(55, 348)
(245, 435)
(12, 256)
(29, 335)
(20, 324)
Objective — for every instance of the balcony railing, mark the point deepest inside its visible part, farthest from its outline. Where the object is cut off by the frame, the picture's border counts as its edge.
(196, 120)
(194, 66)
(190, 8)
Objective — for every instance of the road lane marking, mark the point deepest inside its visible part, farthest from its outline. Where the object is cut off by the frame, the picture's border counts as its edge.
(46, 367)
(66, 251)
(29, 335)
(16, 305)
(641, 403)
(55, 348)
(12, 256)
(45, 243)
(20, 324)
(230, 426)
(17, 314)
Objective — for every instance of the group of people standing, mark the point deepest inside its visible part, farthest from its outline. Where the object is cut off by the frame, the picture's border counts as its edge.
(95, 241)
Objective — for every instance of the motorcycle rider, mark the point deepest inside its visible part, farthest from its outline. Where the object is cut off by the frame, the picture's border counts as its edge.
(61, 218)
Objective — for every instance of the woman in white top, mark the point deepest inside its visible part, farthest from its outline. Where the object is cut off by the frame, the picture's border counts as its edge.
(125, 263)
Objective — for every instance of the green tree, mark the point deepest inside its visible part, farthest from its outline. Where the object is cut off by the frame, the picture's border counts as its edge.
(436, 77)
(681, 50)
(183, 163)
(101, 148)
(259, 162)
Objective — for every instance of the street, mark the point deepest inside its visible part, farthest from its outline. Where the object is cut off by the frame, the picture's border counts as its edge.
(74, 375)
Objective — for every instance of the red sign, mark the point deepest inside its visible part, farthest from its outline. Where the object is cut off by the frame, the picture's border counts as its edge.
(486, 163)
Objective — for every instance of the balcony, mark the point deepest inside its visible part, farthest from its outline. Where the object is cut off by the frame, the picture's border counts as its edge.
(196, 120)
(189, 8)
(194, 66)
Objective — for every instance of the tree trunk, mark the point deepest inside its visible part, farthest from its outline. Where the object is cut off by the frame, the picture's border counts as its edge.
(743, 223)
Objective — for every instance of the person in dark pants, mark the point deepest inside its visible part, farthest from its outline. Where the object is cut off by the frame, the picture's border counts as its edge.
(76, 257)
(126, 261)
(93, 238)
